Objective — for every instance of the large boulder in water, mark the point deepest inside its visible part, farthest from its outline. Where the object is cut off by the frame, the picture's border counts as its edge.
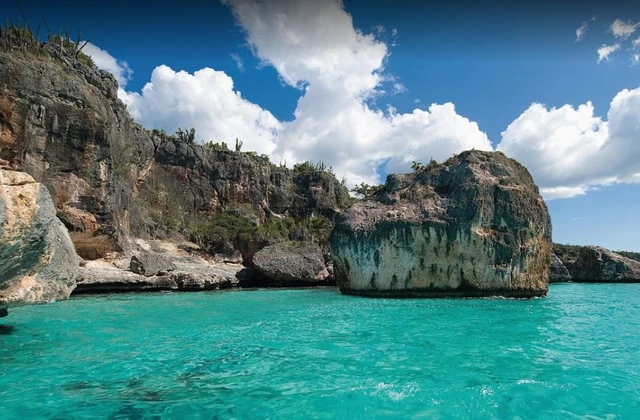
(474, 225)
(292, 264)
(38, 262)
(597, 264)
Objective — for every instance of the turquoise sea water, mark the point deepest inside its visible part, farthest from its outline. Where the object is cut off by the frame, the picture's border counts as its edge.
(318, 354)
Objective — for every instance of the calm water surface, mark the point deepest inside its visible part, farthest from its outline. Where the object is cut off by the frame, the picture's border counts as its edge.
(318, 354)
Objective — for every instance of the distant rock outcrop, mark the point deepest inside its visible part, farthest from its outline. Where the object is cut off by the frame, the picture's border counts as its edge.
(558, 272)
(597, 264)
(38, 262)
(474, 225)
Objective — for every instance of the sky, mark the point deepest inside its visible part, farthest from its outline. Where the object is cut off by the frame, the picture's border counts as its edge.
(369, 87)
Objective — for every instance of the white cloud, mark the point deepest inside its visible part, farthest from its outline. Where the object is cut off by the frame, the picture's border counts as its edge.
(570, 150)
(399, 88)
(605, 52)
(205, 100)
(105, 61)
(581, 31)
(314, 46)
(623, 30)
(239, 62)
(636, 43)
(339, 70)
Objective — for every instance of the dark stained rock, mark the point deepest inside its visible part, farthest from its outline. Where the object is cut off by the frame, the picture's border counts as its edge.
(597, 264)
(292, 263)
(7, 329)
(38, 262)
(557, 270)
(151, 263)
(474, 225)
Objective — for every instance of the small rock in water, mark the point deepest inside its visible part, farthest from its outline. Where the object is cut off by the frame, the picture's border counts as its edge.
(3, 312)
(6, 329)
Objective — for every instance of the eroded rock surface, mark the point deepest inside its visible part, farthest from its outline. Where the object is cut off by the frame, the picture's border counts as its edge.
(38, 262)
(292, 263)
(597, 264)
(558, 272)
(151, 264)
(188, 274)
(475, 225)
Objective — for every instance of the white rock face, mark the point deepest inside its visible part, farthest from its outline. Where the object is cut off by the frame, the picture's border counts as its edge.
(38, 262)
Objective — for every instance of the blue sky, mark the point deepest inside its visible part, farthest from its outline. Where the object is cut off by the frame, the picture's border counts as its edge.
(353, 84)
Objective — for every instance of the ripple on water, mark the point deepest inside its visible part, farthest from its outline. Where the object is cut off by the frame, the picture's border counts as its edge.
(316, 353)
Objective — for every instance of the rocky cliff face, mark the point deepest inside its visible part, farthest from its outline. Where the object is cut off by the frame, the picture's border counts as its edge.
(110, 179)
(38, 262)
(597, 264)
(475, 225)
(558, 272)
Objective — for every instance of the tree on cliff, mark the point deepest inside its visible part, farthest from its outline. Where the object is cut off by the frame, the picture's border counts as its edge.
(367, 190)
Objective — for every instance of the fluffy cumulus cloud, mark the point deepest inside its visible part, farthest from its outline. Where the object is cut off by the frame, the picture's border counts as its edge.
(314, 46)
(205, 100)
(340, 74)
(623, 30)
(104, 60)
(571, 150)
(604, 52)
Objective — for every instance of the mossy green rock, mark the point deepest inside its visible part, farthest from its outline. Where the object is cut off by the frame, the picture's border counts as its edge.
(475, 225)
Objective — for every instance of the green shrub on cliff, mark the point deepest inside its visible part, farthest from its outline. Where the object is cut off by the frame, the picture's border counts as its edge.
(567, 252)
(308, 168)
(367, 190)
(320, 228)
(628, 254)
(221, 231)
(20, 36)
(228, 231)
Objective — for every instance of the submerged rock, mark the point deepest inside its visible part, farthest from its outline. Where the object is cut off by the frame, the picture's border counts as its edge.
(292, 263)
(38, 262)
(597, 264)
(474, 225)
(3, 312)
(558, 272)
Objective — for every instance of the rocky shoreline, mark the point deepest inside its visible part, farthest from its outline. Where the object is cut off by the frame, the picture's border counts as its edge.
(166, 265)
(92, 202)
(594, 264)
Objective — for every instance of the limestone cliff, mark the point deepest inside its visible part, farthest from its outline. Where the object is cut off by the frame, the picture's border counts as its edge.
(558, 272)
(475, 225)
(111, 179)
(38, 262)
